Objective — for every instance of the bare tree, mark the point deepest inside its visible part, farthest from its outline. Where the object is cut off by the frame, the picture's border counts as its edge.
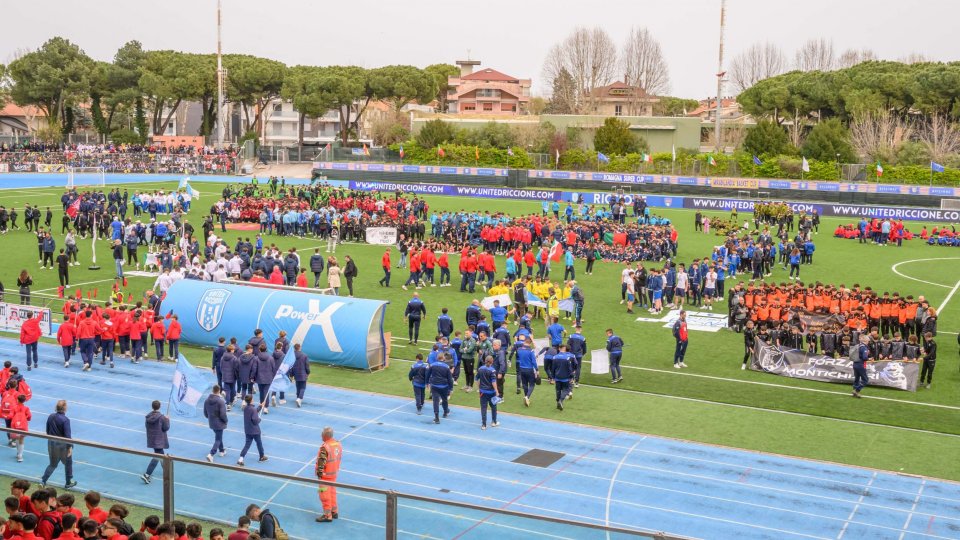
(643, 63)
(760, 61)
(815, 55)
(589, 56)
(914, 58)
(939, 137)
(878, 136)
(852, 57)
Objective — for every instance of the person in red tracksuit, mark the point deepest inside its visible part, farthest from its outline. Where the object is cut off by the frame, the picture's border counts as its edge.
(138, 331)
(66, 337)
(8, 407)
(29, 336)
(444, 263)
(122, 322)
(470, 267)
(108, 337)
(173, 337)
(529, 260)
(385, 264)
(21, 420)
(158, 331)
(87, 330)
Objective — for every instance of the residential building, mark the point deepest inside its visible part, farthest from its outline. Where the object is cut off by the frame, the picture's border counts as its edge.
(17, 121)
(730, 110)
(281, 126)
(486, 91)
(622, 99)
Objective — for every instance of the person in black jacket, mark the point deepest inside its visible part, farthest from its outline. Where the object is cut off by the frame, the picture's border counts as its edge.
(350, 272)
(316, 266)
(414, 313)
(929, 351)
(157, 425)
(268, 522)
(215, 411)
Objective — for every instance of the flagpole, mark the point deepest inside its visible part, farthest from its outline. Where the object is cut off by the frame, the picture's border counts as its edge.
(93, 245)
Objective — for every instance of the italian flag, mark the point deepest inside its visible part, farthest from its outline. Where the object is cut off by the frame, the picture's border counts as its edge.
(366, 151)
(879, 170)
(646, 158)
(712, 162)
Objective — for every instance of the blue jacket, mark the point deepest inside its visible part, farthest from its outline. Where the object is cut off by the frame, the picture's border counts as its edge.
(229, 368)
(419, 373)
(157, 425)
(577, 345)
(555, 331)
(415, 309)
(527, 359)
(245, 370)
(444, 325)
(251, 420)
(301, 366)
(487, 380)
(263, 369)
(215, 411)
(217, 355)
(473, 315)
(614, 344)
(563, 367)
(440, 375)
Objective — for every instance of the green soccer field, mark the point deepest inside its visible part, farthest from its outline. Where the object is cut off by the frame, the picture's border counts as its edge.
(713, 401)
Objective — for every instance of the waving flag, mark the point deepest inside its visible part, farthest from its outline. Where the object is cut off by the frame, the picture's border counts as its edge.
(711, 162)
(879, 170)
(401, 151)
(646, 158)
(756, 161)
(476, 152)
(281, 382)
(805, 166)
(74, 208)
(188, 386)
(556, 251)
(510, 151)
(558, 158)
(366, 151)
(185, 185)
(440, 151)
(602, 158)
(674, 148)
(936, 167)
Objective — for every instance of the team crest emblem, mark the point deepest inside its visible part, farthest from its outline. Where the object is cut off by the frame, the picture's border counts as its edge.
(212, 304)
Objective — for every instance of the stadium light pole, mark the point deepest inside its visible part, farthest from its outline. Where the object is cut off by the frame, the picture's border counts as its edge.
(219, 82)
(720, 74)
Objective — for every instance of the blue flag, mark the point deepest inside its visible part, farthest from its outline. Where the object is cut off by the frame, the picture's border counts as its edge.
(188, 386)
(602, 158)
(756, 161)
(936, 167)
(281, 382)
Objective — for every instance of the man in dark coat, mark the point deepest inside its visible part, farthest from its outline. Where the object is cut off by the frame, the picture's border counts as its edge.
(157, 425)
(215, 411)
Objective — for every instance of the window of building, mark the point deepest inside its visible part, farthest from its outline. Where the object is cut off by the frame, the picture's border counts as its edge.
(278, 107)
(488, 106)
(469, 106)
(618, 110)
(488, 93)
(508, 107)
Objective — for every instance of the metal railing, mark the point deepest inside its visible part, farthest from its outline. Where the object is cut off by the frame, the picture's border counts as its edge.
(119, 162)
(391, 498)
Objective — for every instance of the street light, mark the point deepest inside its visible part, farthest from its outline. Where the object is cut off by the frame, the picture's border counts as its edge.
(838, 167)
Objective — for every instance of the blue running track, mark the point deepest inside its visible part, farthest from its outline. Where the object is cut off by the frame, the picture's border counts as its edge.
(608, 477)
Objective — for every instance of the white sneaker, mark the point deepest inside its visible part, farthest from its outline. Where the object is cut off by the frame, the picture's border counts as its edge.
(299, 403)
(676, 366)
(743, 366)
(210, 458)
(222, 453)
(495, 424)
(273, 401)
(683, 364)
(283, 402)
(67, 285)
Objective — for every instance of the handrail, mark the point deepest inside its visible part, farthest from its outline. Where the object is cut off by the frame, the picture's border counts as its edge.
(390, 495)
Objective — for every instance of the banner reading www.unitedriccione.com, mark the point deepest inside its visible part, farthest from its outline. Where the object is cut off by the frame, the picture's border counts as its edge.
(801, 365)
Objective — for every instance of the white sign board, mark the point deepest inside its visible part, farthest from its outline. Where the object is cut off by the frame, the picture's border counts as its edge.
(382, 236)
(696, 320)
(13, 315)
(504, 299)
(600, 362)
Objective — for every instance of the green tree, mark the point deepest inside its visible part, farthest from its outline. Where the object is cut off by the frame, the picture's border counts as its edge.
(563, 97)
(53, 78)
(614, 138)
(766, 138)
(252, 82)
(433, 133)
(674, 106)
(346, 88)
(441, 74)
(490, 135)
(827, 140)
(401, 85)
(167, 79)
(302, 86)
(120, 91)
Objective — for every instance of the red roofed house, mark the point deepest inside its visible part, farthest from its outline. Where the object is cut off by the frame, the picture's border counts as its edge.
(622, 99)
(21, 121)
(486, 91)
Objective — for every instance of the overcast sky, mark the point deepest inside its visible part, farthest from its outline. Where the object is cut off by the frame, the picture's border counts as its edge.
(512, 36)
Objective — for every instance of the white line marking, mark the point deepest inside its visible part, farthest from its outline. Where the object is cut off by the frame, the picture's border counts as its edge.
(901, 274)
(906, 524)
(74, 287)
(613, 481)
(953, 291)
(856, 506)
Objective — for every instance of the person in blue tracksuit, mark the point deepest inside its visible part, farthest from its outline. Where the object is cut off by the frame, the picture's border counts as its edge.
(529, 370)
(245, 366)
(444, 324)
(215, 411)
(564, 369)
(577, 346)
(441, 381)
(230, 373)
(300, 371)
(262, 373)
(615, 348)
(217, 356)
(251, 429)
(414, 312)
(487, 382)
(419, 375)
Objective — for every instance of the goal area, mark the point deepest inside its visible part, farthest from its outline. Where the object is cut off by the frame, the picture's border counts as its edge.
(86, 177)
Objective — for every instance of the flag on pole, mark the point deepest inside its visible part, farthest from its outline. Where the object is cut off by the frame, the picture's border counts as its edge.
(366, 151)
(401, 151)
(188, 386)
(440, 151)
(646, 158)
(711, 162)
(510, 151)
(936, 167)
(756, 161)
(476, 152)
(602, 158)
(281, 381)
(879, 170)
(74, 208)
(185, 185)
(674, 149)
(805, 166)
(556, 251)
(558, 158)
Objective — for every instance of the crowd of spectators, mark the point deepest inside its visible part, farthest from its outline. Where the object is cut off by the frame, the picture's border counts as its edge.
(32, 157)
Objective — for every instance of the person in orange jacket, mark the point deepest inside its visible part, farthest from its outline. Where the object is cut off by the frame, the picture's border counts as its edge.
(66, 337)
(302, 278)
(108, 337)
(8, 407)
(276, 277)
(29, 336)
(20, 420)
(138, 330)
(385, 264)
(87, 330)
(158, 331)
(173, 337)
(327, 468)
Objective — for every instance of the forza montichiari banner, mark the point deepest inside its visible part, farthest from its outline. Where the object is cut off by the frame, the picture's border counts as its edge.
(797, 364)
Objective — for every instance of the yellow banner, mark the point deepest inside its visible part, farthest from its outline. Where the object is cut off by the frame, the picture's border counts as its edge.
(51, 168)
(735, 183)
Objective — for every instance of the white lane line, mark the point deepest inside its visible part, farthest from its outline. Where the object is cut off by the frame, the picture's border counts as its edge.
(953, 291)
(856, 506)
(613, 481)
(901, 274)
(913, 509)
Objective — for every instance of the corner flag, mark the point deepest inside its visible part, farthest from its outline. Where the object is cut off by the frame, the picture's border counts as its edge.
(187, 388)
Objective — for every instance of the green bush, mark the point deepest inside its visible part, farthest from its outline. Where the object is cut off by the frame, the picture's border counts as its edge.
(766, 138)
(615, 138)
(435, 132)
(126, 136)
(462, 156)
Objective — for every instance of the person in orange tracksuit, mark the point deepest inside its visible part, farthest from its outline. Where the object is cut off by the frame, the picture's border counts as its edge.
(385, 264)
(87, 333)
(158, 331)
(173, 336)
(108, 338)
(29, 336)
(328, 465)
(66, 336)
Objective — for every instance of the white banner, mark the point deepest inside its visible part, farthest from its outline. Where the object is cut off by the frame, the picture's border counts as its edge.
(13, 315)
(4, 167)
(504, 299)
(382, 236)
(696, 320)
(600, 362)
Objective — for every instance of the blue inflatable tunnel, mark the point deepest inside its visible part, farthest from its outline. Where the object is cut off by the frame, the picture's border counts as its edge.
(333, 330)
